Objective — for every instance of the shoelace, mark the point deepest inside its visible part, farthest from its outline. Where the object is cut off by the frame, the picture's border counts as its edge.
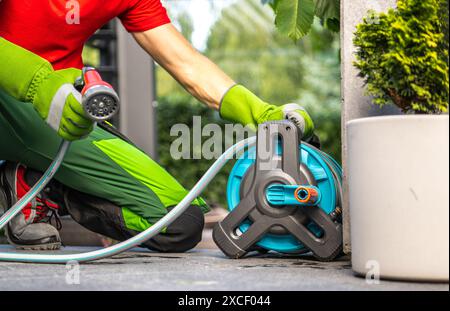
(54, 215)
(41, 209)
(47, 212)
(42, 206)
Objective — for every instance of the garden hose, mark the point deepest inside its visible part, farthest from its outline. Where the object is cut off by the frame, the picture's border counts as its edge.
(141, 237)
(100, 102)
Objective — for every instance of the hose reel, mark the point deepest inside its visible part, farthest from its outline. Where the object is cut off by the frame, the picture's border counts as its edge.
(284, 196)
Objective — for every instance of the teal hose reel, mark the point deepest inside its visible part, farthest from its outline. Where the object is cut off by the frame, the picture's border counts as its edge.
(283, 195)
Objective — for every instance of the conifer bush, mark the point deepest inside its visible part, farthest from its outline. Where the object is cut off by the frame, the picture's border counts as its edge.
(402, 55)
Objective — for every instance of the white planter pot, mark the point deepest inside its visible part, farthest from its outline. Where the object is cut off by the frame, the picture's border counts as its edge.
(398, 174)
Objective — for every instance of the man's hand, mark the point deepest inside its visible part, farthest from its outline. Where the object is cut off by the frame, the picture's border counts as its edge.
(59, 104)
(30, 78)
(242, 106)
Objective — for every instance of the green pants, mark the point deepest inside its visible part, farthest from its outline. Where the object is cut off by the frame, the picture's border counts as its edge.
(102, 165)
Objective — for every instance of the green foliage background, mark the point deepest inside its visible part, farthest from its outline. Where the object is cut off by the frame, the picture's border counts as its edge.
(245, 44)
(294, 18)
(403, 55)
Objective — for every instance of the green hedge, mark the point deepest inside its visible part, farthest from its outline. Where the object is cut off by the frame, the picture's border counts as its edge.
(180, 110)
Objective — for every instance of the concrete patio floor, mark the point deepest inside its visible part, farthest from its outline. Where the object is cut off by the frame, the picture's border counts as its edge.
(201, 269)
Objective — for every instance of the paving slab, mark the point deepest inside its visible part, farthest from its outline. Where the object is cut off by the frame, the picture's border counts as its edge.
(201, 269)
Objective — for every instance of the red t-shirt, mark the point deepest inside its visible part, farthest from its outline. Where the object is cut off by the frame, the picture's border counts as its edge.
(52, 29)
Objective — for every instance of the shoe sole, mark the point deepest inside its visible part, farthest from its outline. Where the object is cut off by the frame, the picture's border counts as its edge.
(37, 247)
(43, 247)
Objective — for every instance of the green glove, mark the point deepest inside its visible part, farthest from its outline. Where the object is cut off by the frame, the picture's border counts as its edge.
(30, 78)
(242, 106)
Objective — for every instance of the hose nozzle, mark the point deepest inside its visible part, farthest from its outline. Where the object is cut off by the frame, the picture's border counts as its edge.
(100, 101)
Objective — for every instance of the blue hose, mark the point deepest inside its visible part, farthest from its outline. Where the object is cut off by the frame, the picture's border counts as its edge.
(125, 245)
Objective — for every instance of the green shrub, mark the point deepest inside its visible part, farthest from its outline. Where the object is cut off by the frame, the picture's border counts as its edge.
(180, 109)
(403, 56)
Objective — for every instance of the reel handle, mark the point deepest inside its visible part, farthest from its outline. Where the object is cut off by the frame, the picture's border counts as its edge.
(99, 99)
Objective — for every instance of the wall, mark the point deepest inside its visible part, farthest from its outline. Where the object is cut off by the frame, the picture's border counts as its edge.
(354, 103)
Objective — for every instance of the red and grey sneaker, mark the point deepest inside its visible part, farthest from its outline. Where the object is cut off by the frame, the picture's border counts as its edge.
(30, 229)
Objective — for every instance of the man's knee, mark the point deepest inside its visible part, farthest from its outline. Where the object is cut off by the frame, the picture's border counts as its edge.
(101, 216)
(183, 234)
